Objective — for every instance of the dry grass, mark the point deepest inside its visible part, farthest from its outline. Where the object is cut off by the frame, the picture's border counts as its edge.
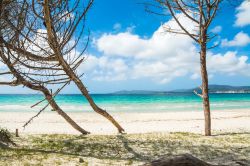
(134, 149)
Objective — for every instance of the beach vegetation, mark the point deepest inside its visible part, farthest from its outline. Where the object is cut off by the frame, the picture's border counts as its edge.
(130, 149)
(5, 137)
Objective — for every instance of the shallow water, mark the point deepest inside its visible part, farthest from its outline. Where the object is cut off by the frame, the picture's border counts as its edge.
(129, 103)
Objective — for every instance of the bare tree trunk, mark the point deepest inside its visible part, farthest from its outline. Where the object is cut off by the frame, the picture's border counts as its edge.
(85, 92)
(95, 107)
(205, 95)
(55, 107)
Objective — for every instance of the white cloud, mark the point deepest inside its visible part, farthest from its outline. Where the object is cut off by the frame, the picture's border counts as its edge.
(228, 63)
(216, 29)
(158, 45)
(195, 76)
(161, 57)
(4, 78)
(104, 68)
(117, 26)
(118, 44)
(240, 39)
(1, 65)
(89, 63)
(3, 68)
(243, 14)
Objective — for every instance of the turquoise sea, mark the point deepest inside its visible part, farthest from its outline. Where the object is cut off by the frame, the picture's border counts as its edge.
(129, 103)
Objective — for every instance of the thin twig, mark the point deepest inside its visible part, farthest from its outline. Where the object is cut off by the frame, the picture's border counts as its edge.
(195, 92)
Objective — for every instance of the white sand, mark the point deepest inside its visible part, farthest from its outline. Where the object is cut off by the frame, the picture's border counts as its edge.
(51, 122)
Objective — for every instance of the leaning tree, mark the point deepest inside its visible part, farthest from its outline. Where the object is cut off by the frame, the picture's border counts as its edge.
(64, 24)
(200, 13)
(52, 44)
(25, 67)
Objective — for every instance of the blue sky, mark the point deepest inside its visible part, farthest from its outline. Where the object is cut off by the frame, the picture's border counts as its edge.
(129, 50)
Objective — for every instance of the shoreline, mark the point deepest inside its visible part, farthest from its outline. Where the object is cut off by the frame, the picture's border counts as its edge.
(132, 122)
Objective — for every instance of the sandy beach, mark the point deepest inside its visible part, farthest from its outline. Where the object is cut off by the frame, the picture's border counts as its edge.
(52, 123)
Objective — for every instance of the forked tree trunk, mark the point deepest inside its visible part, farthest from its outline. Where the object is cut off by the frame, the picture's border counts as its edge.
(46, 93)
(52, 39)
(204, 77)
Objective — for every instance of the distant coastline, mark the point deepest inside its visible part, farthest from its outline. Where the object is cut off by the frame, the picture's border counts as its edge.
(212, 89)
(216, 89)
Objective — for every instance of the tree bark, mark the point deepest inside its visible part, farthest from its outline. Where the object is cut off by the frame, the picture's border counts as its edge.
(204, 77)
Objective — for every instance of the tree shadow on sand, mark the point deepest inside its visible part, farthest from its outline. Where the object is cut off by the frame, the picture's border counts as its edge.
(139, 148)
